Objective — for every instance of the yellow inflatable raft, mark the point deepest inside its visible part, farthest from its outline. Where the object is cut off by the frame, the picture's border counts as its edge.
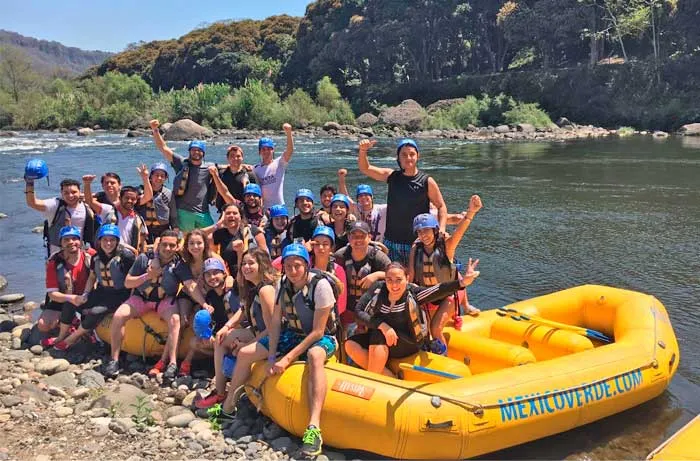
(145, 336)
(683, 445)
(517, 380)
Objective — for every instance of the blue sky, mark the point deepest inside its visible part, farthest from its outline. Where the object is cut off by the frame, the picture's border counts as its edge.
(110, 25)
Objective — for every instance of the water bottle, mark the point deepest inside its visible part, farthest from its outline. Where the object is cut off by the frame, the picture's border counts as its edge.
(438, 347)
(228, 365)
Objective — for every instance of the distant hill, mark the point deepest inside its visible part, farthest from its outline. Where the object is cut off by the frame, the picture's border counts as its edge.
(49, 57)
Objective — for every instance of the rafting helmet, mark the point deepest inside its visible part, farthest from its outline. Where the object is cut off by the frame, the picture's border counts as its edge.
(326, 231)
(201, 145)
(402, 143)
(108, 230)
(69, 231)
(425, 221)
(298, 250)
(341, 198)
(202, 324)
(213, 264)
(304, 193)
(266, 142)
(159, 166)
(252, 189)
(36, 168)
(279, 211)
(364, 189)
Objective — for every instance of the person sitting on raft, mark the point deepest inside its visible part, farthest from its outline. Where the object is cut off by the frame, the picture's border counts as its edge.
(257, 279)
(308, 334)
(67, 275)
(397, 326)
(108, 268)
(432, 261)
(276, 231)
(223, 301)
(154, 284)
(410, 192)
(301, 226)
(323, 242)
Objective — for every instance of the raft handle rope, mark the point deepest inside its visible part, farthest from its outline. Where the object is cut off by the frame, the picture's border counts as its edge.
(150, 331)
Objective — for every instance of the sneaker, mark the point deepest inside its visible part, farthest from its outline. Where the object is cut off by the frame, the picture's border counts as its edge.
(185, 369)
(111, 370)
(217, 413)
(312, 442)
(48, 342)
(157, 369)
(210, 401)
(91, 338)
(61, 346)
(170, 372)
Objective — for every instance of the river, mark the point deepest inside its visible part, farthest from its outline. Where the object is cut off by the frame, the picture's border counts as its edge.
(620, 212)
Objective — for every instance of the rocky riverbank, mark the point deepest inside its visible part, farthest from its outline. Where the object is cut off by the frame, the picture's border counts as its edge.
(56, 405)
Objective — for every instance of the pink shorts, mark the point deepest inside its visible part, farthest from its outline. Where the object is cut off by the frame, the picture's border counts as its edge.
(142, 307)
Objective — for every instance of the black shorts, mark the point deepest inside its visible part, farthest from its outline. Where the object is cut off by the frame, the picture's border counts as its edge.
(111, 299)
(50, 305)
(402, 348)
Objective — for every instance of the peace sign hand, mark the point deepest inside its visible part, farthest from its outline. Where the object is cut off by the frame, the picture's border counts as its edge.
(470, 274)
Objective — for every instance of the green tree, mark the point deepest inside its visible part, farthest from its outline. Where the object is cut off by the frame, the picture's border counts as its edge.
(16, 74)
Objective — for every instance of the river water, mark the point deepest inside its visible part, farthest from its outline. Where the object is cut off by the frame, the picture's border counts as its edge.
(620, 212)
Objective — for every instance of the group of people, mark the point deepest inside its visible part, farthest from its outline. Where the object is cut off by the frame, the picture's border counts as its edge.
(375, 281)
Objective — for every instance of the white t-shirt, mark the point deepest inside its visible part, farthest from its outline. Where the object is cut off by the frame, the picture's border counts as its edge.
(124, 223)
(270, 178)
(77, 216)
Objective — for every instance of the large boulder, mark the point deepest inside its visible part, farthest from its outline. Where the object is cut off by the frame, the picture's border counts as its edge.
(8, 134)
(328, 126)
(443, 104)
(692, 129)
(366, 120)
(85, 131)
(123, 400)
(185, 130)
(408, 115)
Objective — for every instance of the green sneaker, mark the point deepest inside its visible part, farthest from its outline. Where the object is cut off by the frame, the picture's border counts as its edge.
(217, 413)
(312, 442)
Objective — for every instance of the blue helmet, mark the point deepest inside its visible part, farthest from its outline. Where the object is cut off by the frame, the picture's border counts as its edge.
(201, 145)
(212, 264)
(305, 193)
(36, 168)
(108, 230)
(69, 231)
(202, 324)
(296, 249)
(160, 166)
(406, 142)
(278, 211)
(253, 189)
(324, 230)
(266, 142)
(229, 364)
(425, 221)
(341, 198)
(364, 189)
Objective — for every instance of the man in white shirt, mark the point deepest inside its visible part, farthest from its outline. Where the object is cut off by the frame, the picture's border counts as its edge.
(67, 210)
(270, 171)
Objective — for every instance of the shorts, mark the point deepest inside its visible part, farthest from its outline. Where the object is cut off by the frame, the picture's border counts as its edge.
(51, 305)
(111, 299)
(141, 306)
(188, 220)
(398, 252)
(289, 340)
(401, 349)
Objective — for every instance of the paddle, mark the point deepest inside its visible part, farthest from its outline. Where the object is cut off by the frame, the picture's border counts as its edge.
(517, 315)
(429, 371)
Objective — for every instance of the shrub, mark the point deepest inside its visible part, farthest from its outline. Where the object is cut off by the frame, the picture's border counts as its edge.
(302, 109)
(327, 94)
(625, 131)
(257, 105)
(528, 113)
(492, 109)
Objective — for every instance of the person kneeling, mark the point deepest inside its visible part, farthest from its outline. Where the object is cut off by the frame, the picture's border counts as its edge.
(308, 335)
(391, 309)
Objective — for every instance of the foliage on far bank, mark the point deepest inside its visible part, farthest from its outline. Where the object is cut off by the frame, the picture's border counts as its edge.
(487, 110)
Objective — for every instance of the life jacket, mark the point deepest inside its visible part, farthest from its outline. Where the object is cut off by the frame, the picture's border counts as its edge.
(291, 227)
(254, 219)
(156, 213)
(137, 230)
(150, 285)
(253, 312)
(63, 275)
(293, 319)
(111, 275)
(275, 241)
(432, 269)
(417, 320)
(182, 179)
(354, 276)
(62, 218)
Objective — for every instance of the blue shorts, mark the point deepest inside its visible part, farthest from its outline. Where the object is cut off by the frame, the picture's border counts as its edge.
(398, 252)
(289, 340)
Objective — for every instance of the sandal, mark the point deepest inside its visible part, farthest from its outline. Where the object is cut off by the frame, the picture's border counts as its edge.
(473, 311)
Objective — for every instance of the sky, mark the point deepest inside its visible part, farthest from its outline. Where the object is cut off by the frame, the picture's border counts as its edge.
(110, 25)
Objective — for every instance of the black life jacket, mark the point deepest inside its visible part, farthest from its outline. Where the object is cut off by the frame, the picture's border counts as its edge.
(354, 276)
(276, 241)
(417, 319)
(432, 269)
(106, 273)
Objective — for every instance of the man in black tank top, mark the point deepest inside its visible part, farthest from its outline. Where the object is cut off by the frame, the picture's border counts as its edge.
(410, 193)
